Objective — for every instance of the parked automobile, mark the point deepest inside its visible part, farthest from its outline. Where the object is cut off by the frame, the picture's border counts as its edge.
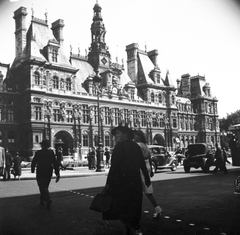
(198, 155)
(161, 159)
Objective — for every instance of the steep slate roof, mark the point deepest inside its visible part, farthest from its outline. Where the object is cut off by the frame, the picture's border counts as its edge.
(168, 81)
(85, 70)
(147, 66)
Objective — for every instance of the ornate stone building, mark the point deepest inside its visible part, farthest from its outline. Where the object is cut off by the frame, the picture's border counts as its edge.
(48, 94)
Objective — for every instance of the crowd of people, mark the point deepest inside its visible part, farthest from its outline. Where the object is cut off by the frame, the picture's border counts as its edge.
(9, 164)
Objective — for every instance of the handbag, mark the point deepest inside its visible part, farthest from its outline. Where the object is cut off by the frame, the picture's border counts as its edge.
(101, 202)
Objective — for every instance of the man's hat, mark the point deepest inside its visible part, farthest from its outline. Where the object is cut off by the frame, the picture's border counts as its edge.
(123, 127)
(45, 143)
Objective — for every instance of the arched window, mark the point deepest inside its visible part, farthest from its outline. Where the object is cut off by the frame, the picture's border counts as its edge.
(160, 98)
(152, 97)
(55, 82)
(68, 84)
(36, 78)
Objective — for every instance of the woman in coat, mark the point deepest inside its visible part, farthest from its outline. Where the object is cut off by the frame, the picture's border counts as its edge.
(17, 170)
(124, 182)
(140, 138)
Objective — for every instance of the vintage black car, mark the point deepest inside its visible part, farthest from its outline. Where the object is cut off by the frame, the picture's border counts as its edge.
(198, 155)
(161, 159)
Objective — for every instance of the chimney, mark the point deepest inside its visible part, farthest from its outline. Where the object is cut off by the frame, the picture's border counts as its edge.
(132, 61)
(153, 56)
(57, 28)
(20, 30)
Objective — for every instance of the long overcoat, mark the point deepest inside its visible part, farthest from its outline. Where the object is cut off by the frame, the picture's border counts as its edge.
(124, 182)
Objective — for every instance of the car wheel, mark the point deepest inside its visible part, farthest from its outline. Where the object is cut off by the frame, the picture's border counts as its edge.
(174, 166)
(187, 169)
(154, 167)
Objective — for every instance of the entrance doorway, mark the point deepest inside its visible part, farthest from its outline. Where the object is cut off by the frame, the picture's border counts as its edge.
(64, 140)
(159, 140)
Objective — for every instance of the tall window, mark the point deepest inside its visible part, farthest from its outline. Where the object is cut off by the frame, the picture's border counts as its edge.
(1, 114)
(55, 82)
(10, 115)
(174, 123)
(107, 140)
(116, 117)
(152, 97)
(11, 137)
(85, 139)
(69, 116)
(125, 115)
(54, 55)
(143, 119)
(95, 111)
(107, 116)
(1, 137)
(37, 78)
(135, 118)
(132, 93)
(38, 113)
(160, 98)
(85, 113)
(56, 115)
(68, 84)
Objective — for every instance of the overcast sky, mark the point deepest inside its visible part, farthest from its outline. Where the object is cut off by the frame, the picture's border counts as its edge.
(192, 36)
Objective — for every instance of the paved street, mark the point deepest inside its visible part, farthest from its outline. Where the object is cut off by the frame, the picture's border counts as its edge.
(194, 203)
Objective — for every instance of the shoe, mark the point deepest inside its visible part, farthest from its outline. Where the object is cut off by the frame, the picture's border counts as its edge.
(49, 204)
(158, 212)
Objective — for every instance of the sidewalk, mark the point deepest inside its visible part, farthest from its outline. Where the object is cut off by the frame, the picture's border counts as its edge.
(69, 173)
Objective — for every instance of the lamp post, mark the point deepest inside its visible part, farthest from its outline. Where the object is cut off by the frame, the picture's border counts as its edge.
(98, 82)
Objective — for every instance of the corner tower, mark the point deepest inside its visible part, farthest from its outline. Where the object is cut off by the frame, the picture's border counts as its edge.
(98, 56)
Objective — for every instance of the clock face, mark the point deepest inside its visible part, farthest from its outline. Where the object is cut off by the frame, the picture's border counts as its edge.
(114, 90)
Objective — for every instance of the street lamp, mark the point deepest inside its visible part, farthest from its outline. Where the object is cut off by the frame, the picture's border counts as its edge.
(98, 83)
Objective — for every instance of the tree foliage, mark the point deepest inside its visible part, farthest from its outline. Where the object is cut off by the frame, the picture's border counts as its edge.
(231, 119)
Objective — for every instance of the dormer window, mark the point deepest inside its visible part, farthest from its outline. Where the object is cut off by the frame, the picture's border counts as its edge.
(158, 78)
(152, 97)
(54, 55)
(160, 98)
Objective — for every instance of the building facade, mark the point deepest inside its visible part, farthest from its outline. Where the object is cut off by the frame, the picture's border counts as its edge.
(47, 94)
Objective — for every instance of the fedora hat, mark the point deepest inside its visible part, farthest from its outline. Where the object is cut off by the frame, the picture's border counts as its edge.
(45, 143)
(123, 127)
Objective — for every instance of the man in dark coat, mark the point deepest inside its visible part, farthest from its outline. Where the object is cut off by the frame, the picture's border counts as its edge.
(9, 162)
(124, 180)
(220, 161)
(45, 160)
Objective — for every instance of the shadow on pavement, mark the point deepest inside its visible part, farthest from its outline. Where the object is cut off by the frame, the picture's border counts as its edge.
(194, 205)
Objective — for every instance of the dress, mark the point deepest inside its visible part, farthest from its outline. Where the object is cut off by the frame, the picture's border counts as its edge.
(124, 183)
(146, 154)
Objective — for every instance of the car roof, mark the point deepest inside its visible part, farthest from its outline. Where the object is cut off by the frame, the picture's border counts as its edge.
(155, 146)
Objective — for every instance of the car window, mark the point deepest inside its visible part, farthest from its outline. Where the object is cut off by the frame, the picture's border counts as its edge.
(162, 151)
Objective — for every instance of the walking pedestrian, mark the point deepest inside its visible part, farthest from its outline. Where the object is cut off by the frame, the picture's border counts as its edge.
(17, 169)
(2, 162)
(9, 162)
(60, 158)
(124, 182)
(219, 161)
(107, 154)
(140, 138)
(45, 160)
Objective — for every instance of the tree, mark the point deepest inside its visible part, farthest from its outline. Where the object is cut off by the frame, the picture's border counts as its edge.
(232, 119)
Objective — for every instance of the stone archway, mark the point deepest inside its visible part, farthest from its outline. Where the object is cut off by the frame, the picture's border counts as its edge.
(159, 140)
(65, 140)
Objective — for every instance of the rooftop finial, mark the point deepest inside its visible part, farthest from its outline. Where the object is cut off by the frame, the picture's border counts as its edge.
(46, 16)
(32, 11)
